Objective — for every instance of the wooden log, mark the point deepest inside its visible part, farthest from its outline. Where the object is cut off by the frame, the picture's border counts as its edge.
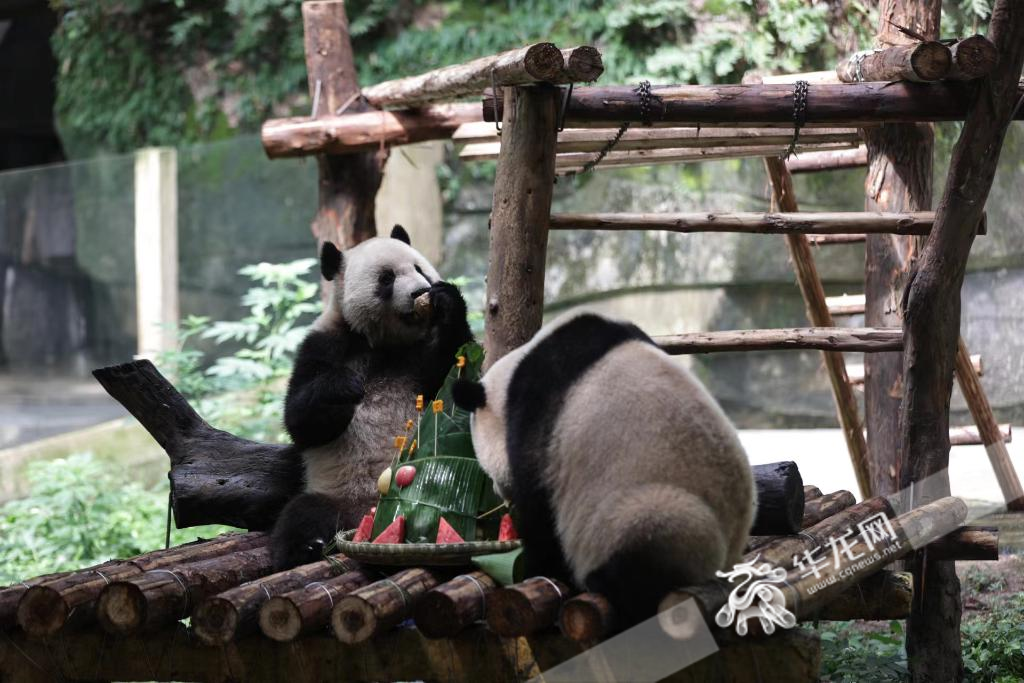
(882, 597)
(837, 160)
(818, 315)
(782, 223)
(50, 603)
(587, 618)
(973, 57)
(825, 240)
(307, 609)
(824, 507)
(931, 313)
(811, 492)
(989, 430)
(844, 104)
(572, 162)
(847, 304)
(816, 77)
(520, 216)
(865, 339)
(162, 596)
(224, 617)
(379, 606)
(967, 543)
(971, 436)
(807, 592)
(347, 184)
(583, 64)
(454, 605)
(780, 499)
(481, 140)
(348, 133)
(525, 608)
(531, 64)
(922, 62)
(216, 478)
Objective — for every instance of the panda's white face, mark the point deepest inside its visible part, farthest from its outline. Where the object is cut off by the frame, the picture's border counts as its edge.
(380, 279)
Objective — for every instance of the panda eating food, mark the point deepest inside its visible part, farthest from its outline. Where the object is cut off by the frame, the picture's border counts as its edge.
(624, 475)
(355, 381)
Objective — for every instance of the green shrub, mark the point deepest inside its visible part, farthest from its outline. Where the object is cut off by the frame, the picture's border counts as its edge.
(849, 655)
(82, 511)
(994, 643)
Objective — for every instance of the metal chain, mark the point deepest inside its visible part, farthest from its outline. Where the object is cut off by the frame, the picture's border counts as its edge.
(799, 114)
(643, 91)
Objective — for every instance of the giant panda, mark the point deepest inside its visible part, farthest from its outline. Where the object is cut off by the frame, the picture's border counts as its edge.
(355, 380)
(624, 475)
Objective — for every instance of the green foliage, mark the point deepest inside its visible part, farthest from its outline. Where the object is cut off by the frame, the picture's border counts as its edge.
(81, 511)
(851, 656)
(242, 392)
(174, 71)
(994, 643)
(978, 580)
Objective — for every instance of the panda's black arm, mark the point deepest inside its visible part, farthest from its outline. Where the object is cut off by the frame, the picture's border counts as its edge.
(323, 392)
(451, 330)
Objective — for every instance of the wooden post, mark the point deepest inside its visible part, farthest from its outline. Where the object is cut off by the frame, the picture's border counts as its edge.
(156, 250)
(817, 312)
(931, 320)
(348, 184)
(520, 217)
(899, 179)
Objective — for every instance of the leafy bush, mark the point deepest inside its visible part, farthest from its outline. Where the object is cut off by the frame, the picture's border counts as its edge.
(849, 655)
(82, 511)
(994, 643)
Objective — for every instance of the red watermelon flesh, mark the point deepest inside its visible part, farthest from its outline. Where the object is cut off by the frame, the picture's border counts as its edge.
(507, 532)
(446, 534)
(365, 529)
(395, 533)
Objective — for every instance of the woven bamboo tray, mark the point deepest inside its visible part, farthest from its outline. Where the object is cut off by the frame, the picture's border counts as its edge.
(419, 554)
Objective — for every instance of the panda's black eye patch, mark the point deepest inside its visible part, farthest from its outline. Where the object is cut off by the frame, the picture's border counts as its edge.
(385, 283)
(420, 271)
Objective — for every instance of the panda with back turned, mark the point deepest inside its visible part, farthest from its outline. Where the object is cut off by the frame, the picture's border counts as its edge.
(354, 383)
(624, 475)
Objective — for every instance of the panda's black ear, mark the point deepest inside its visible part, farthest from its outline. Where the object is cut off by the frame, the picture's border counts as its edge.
(469, 395)
(330, 261)
(399, 233)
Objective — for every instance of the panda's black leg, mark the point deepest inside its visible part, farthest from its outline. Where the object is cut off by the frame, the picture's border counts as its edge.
(307, 525)
(633, 581)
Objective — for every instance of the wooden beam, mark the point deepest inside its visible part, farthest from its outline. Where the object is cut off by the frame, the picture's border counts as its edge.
(971, 436)
(921, 61)
(856, 374)
(846, 304)
(523, 188)
(967, 543)
(572, 163)
(527, 607)
(827, 240)
(540, 62)
(367, 131)
(347, 184)
(377, 607)
(454, 605)
(869, 340)
(932, 324)
(818, 315)
(846, 104)
(973, 57)
(812, 162)
(782, 223)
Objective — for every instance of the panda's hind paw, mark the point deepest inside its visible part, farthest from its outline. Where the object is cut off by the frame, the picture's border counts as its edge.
(306, 527)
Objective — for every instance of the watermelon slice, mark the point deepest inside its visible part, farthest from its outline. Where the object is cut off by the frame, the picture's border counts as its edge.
(395, 533)
(446, 534)
(365, 529)
(507, 531)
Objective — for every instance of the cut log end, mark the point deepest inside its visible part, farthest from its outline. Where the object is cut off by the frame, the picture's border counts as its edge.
(544, 61)
(973, 58)
(353, 620)
(42, 611)
(280, 619)
(931, 61)
(509, 613)
(215, 621)
(121, 608)
(437, 616)
(583, 64)
(586, 618)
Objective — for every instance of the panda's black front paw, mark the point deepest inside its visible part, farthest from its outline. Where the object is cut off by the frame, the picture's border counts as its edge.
(448, 304)
(306, 527)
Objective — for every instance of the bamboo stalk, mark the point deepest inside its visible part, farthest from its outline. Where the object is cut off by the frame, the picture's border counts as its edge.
(973, 57)
(525, 65)
(988, 428)
(366, 131)
(826, 506)
(224, 617)
(782, 223)
(308, 608)
(162, 596)
(525, 608)
(454, 605)
(377, 607)
(822, 338)
(922, 62)
(814, 161)
(46, 607)
(818, 315)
